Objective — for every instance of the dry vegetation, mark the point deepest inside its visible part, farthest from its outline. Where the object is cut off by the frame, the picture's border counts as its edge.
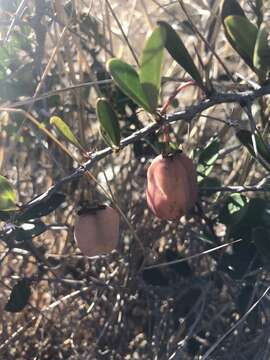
(105, 308)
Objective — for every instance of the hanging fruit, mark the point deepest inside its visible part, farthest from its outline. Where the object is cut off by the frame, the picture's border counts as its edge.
(171, 186)
(96, 230)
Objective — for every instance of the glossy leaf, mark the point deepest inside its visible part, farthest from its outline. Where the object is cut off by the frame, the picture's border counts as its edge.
(108, 121)
(19, 296)
(242, 35)
(65, 130)
(7, 195)
(128, 81)
(151, 65)
(41, 206)
(261, 56)
(179, 53)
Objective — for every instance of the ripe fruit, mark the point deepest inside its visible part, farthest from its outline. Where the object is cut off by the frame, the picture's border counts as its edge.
(171, 186)
(96, 231)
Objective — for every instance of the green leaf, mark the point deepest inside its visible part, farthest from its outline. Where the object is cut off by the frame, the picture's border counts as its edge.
(261, 56)
(179, 53)
(151, 65)
(41, 206)
(108, 121)
(245, 137)
(19, 296)
(128, 81)
(234, 210)
(241, 34)
(7, 195)
(65, 130)
(238, 201)
(232, 8)
(207, 158)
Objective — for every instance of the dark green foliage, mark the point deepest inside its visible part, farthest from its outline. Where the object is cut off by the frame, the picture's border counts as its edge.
(179, 53)
(240, 32)
(261, 55)
(41, 206)
(246, 138)
(19, 296)
(24, 232)
(128, 80)
(243, 219)
(109, 123)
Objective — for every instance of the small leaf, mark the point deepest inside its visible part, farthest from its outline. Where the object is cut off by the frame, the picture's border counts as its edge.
(108, 121)
(236, 204)
(7, 195)
(151, 64)
(234, 210)
(65, 130)
(128, 81)
(261, 56)
(19, 296)
(261, 238)
(207, 158)
(179, 53)
(41, 206)
(241, 34)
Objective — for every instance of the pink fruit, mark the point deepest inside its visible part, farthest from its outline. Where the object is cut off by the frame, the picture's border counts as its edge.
(96, 232)
(171, 186)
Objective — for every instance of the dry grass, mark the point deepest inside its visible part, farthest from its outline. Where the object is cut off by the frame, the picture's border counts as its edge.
(105, 308)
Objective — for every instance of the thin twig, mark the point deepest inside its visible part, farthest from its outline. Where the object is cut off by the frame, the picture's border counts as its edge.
(19, 12)
(57, 92)
(227, 333)
(206, 252)
(122, 32)
(196, 31)
(185, 115)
